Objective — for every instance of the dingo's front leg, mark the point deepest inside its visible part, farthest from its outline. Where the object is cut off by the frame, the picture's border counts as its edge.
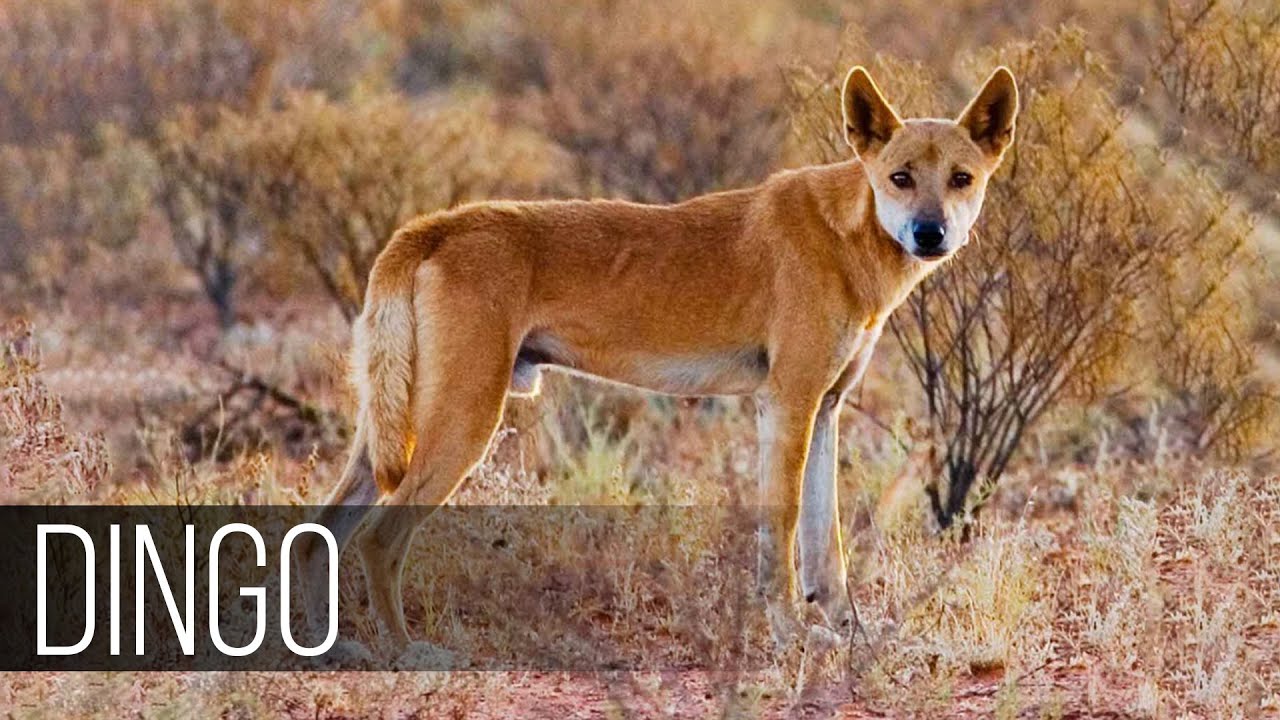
(784, 430)
(822, 567)
(822, 563)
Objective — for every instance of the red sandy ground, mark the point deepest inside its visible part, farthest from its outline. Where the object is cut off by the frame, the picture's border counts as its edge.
(568, 696)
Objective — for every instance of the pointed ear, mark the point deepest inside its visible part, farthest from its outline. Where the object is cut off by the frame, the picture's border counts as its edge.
(990, 115)
(869, 122)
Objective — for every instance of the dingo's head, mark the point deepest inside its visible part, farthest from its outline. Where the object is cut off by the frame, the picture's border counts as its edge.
(929, 176)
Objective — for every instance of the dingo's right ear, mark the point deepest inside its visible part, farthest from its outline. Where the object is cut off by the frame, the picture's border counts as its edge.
(991, 114)
(869, 121)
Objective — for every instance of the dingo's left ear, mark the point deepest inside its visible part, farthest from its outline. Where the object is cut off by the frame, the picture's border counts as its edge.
(869, 122)
(990, 115)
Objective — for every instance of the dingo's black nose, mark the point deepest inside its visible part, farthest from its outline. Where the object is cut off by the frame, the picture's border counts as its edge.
(929, 235)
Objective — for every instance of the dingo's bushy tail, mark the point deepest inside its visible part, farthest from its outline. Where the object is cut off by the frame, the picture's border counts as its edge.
(382, 363)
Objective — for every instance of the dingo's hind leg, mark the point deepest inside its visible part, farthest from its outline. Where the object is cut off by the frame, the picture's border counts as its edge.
(784, 432)
(342, 515)
(459, 390)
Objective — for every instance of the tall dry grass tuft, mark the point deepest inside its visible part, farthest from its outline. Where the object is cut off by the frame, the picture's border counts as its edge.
(41, 460)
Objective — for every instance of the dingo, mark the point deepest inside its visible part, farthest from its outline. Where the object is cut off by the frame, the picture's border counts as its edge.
(779, 291)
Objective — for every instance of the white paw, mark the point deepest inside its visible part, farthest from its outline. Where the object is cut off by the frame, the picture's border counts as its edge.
(346, 654)
(425, 656)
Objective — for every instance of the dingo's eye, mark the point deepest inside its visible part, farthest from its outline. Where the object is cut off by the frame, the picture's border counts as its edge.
(961, 180)
(902, 180)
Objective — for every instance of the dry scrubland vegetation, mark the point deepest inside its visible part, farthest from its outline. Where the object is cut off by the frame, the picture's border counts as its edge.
(192, 192)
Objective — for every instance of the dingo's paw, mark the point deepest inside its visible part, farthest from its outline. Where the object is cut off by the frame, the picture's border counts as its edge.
(835, 613)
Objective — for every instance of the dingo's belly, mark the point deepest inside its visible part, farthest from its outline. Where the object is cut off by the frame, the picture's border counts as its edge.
(739, 371)
(735, 371)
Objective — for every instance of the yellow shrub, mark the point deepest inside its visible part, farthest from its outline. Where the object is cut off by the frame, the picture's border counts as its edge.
(333, 181)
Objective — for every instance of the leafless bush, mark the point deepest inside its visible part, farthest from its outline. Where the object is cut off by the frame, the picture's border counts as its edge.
(205, 181)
